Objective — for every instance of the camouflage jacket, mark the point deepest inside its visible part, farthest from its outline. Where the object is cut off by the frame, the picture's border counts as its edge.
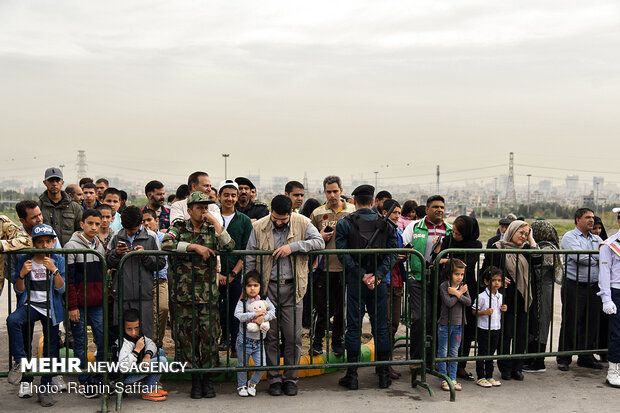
(11, 239)
(191, 275)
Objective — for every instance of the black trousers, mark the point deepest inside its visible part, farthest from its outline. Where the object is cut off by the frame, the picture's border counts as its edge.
(515, 330)
(323, 311)
(488, 341)
(417, 333)
(580, 306)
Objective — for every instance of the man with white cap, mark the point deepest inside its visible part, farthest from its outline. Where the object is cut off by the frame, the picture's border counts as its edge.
(609, 284)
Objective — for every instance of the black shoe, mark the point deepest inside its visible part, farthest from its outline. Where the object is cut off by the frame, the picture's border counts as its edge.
(208, 392)
(464, 374)
(590, 364)
(562, 366)
(385, 380)
(350, 379)
(535, 366)
(316, 350)
(275, 389)
(289, 388)
(196, 391)
(338, 350)
(517, 375)
(506, 375)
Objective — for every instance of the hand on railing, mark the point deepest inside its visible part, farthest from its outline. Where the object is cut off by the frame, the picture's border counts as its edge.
(609, 308)
(283, 252)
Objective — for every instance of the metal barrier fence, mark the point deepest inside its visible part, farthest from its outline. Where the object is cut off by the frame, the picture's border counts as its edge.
(118, 296)
(526, 327)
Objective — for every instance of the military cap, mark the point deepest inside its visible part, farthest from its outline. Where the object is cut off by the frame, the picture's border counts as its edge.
(41, 230)
(53, 173)
(244, 181)
(367, 190)
(198, 198)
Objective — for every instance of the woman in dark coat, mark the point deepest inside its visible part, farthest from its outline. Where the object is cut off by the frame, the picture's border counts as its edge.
(465, 233)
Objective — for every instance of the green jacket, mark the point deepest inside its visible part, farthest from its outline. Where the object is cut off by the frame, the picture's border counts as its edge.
(418, 241)
(239, 229)
(64, 218)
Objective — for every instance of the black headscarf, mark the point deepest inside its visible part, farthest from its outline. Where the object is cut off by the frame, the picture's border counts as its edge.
(470, 234)
(598, 220)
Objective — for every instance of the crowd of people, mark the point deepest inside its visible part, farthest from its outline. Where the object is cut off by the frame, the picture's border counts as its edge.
(255, 305)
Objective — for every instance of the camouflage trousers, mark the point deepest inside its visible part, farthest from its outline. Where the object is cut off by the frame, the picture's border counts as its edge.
(202, 329)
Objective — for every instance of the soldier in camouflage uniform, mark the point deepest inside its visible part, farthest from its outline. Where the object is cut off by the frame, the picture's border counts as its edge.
(11, 239)
(194, 282)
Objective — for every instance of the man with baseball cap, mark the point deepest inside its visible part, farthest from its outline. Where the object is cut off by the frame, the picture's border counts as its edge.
(56, 206)
(245, 205)
(239, 227)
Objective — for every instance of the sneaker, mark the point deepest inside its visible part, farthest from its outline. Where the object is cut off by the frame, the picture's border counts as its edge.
(484, 383)
(252, 389)
(534, 368)
(59, 382)
(316, 350)
(242, 391)
(88, 391)
(154, 397)
(160, 390)
(15, 374)
(457, 385)
(494, 383)
(25, 390)
(45, 399)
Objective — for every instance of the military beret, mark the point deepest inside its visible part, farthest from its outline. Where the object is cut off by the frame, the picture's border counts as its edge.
(198, 198)
(367, 190)
(244, 181)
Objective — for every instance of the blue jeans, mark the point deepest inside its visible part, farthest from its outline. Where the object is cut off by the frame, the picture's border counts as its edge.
(95, 321)
(19, 318)
(251, 348)
(613, 354)
(356, 308)
(445, 335)
(151, 379)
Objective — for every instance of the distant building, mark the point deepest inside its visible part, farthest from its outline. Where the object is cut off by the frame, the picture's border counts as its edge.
(572, 182)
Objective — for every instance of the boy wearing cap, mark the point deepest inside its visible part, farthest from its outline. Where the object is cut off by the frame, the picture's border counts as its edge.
(40, 282)
(239, 227)
(57, 207)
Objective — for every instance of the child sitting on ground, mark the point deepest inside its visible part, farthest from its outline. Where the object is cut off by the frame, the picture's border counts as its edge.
(250, 343)
(137, 348)
(488, 308)
(454, 300)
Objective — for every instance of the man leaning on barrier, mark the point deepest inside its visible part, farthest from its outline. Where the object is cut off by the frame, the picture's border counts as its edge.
(580, 304)
(196, 287)
(284, 281)
(609, 284)
(364, 274)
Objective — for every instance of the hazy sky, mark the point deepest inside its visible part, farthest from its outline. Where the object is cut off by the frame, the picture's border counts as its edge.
(157, 89)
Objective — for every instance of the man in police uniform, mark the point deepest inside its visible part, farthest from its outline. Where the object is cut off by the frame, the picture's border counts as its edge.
(196, 279)
(366, 229)
(609, 284)
(245, 205)
(11, 239)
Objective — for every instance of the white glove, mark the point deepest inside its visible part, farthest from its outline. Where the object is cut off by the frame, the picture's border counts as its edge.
(609, 308)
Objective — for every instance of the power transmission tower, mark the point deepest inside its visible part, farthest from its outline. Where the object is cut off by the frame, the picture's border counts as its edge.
(81, 165)
(306, 180)
(511, 194)
(437, 180)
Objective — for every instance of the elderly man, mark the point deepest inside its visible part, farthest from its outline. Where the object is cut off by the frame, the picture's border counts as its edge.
(197, 181)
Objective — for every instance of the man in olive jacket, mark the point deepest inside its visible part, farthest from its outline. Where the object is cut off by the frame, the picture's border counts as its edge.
(57, 207)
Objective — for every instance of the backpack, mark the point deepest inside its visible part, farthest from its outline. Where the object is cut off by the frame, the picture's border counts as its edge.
(364, 234)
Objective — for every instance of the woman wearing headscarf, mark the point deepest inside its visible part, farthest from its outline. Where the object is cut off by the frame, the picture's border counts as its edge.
(465, 233)
(517, 292)
(543, 278)
(603, 331)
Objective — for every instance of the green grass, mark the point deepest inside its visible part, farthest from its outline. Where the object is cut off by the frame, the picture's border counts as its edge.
(488, 227)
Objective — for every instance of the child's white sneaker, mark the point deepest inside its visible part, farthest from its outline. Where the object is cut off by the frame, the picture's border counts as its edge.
(243, 391)
(252, 389)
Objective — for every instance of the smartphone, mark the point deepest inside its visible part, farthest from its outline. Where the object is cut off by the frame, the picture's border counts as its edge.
(122, 244)
(329, 229)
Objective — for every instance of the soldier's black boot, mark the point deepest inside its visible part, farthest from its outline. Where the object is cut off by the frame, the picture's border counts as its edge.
(384, 371)
(207, 387)
(350, 379)
(196, 392)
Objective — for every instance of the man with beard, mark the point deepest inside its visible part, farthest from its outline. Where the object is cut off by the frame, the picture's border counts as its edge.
(75, 192)
(156, 194)
(284, 282)
(254, 210)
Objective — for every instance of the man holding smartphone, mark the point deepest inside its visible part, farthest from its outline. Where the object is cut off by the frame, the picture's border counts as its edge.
(329, 270)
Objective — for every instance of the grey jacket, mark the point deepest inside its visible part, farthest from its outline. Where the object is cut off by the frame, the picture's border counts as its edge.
(452, 307)
(64, 218)
(137, 271)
